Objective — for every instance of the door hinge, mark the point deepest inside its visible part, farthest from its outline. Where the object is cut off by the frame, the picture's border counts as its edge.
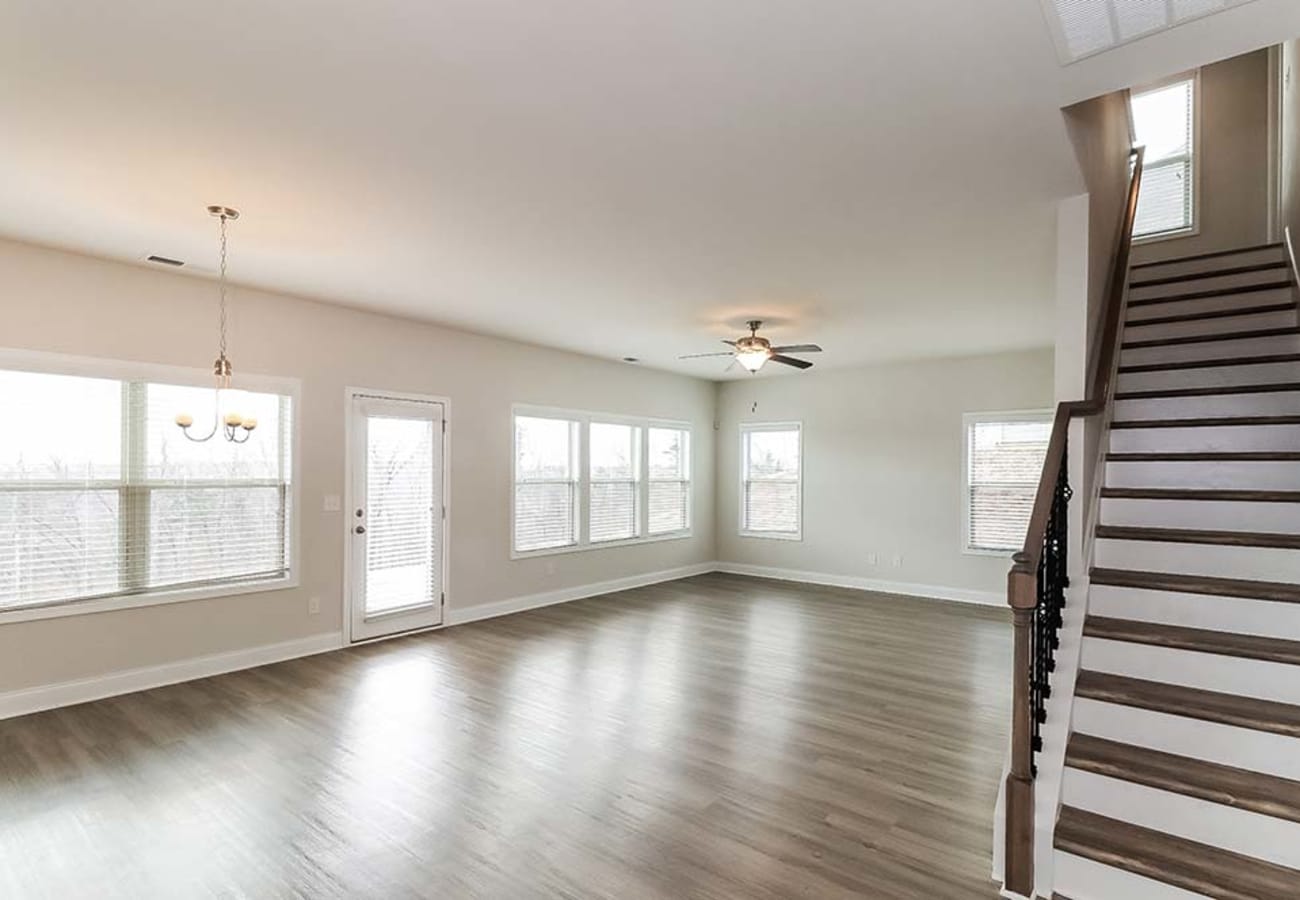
(444, 598)
(444, 511)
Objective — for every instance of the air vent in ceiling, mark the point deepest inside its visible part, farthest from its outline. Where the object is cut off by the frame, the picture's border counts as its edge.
(1085, 27)
(164, 260)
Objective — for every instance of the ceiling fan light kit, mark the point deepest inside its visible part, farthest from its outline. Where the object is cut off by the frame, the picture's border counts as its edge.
(753, 352)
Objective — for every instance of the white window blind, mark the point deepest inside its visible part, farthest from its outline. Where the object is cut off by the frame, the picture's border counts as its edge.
(546, 483)
(615, 472)
(1163, 121)
(1004, 459)
(101, 495)
(1085, 27)
(670, 480)
(771, 486)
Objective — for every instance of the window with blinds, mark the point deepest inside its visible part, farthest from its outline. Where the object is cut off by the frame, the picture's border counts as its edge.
(1004, 459)
(771, 480)
(669, 473)
(615, 485)
(1164, 122)
(546, 483)
(1086, 27)
(102, 496)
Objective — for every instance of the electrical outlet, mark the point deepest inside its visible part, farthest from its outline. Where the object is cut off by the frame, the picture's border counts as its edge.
(333, 503)
(872, 559)
(897, 561)
(313, 606)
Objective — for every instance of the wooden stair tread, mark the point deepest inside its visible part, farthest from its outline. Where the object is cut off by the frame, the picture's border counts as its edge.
(1193, 703)
(1198, 640)
(1208, 422)
(1205, 314)
(1256, 792)
(1274, 591)
(1211, 273)
(1201, 494)
(1220, 363)
(1218, 390)
(1209, 456)
(1213, 254)
(1211, 338)
(1212, 292)
(1199, 536)
(1189, 865)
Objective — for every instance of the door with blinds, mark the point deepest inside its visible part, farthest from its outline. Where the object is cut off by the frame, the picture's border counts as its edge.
(397, 514)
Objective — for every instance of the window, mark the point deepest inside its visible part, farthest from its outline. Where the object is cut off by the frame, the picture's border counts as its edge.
(1164, 122)
(771, 489)
(670, 480)
(546, 483)
(584, 480)
(1003, 461)
(102, 497)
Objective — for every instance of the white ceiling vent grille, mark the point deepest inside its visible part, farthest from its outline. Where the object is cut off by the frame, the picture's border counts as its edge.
(1085, 27)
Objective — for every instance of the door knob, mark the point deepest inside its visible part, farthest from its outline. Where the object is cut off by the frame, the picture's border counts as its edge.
(360, 529)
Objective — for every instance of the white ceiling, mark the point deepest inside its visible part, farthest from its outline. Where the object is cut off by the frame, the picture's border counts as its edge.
(612, 177)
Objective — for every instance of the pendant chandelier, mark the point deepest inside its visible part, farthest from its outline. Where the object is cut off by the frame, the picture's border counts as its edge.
(234, 427)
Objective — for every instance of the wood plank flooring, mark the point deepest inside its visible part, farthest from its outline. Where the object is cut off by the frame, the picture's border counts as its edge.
(717, 737)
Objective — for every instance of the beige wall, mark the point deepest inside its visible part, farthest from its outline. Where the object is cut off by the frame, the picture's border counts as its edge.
(61, 302)
(1233, 161)
(882, 465)
(1289, 211)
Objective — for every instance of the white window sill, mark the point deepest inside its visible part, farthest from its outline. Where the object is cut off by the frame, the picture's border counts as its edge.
(984, 551)
(136, 601)
(1166, 236)
(601, 545)
(773, 535)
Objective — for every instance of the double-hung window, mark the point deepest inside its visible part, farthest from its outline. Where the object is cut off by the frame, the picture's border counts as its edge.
(104, 502)
(1003, 462)
(1164, 121)
(585, 480)
(771, 490)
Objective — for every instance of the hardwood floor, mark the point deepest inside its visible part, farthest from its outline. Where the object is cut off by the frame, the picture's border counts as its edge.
(718, 737)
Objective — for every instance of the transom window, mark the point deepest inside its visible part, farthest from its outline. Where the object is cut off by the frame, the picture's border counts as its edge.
(1003, 461)
(771, 465)
(1164, 122)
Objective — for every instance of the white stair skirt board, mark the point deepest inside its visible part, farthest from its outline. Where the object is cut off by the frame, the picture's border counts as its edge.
(1213, 264)
(1236, 615)
(1250, 346)
(1205, 671)
(1240, 831)
(854, 582)
(1243, 748)
(1082, 879)
(1246, 476)
(1202, 439)
(1219, 515)
(1218, 303)
(127, 681)
(1258, 321)
(1210, 376)
(1214, 560)
(1276, 403)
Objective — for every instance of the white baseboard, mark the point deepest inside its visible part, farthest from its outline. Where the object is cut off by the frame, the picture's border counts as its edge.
(126, 681)
(932, 591)
(565, 595)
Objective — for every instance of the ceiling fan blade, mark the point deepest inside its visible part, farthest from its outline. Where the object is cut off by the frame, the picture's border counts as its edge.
(790, 361)
(725, 341)
(798, 348)
(703, 355)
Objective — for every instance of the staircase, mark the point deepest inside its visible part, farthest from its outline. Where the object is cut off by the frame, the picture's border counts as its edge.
(1182, 773)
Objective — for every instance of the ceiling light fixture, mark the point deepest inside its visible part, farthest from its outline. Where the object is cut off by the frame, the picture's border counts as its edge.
(753, 352)
(233, 426)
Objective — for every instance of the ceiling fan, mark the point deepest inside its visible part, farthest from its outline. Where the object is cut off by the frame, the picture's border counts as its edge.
(753, 352)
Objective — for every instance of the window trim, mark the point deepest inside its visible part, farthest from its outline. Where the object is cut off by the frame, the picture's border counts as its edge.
(1194, 229)
(976, 418)
(747, 428)
(124, 370)
(584, 418)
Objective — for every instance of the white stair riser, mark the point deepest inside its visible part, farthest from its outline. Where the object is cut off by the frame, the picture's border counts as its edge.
(1205, 671)
(1244, 748)
(1223, 515)
(1218, 825)
(1253, 346)
(1279, 403)
(1144, 310)
(1228, 261)
(1247, 476)
(1137, 331)
(1083, 879)
(1244, 438)
(1261, 618)
(1213, 560)
(1215, 376)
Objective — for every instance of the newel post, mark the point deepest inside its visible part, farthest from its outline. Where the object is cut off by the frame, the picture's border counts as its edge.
(1022, 596)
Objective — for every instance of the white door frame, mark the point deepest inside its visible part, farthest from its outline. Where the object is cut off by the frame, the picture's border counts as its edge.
(350, 394)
